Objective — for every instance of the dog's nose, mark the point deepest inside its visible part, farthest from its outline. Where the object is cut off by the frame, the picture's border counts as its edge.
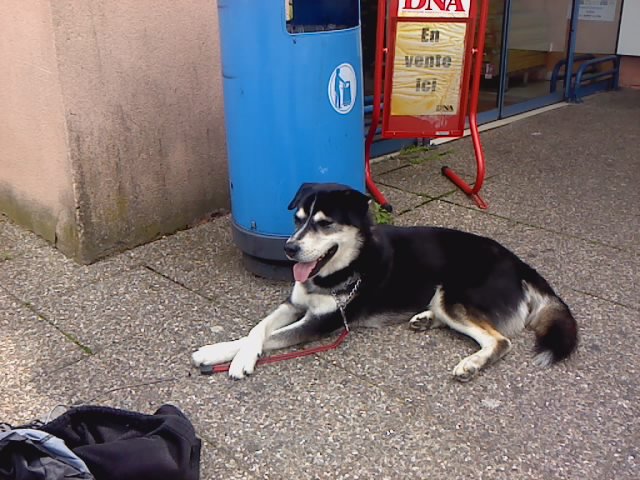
(291, 249)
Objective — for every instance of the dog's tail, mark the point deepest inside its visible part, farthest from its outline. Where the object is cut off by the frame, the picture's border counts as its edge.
(552, 321)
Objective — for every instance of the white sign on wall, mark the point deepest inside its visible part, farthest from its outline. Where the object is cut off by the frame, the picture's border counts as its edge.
(597, 10)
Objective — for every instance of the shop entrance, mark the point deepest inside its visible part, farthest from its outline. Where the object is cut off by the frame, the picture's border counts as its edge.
(527, 47)
(524, 41)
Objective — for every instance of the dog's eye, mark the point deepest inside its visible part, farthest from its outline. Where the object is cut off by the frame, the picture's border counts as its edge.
(324, 223)
(297, 220)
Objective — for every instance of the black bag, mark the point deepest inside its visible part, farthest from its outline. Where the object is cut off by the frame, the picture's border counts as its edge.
(121, 445)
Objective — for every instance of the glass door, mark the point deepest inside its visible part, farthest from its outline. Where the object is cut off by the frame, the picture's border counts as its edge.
(524, 42)
(537, 39)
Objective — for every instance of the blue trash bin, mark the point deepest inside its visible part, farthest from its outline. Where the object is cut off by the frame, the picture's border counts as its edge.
(293, 99)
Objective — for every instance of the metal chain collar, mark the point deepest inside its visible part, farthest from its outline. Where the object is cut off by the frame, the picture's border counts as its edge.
(342, 304)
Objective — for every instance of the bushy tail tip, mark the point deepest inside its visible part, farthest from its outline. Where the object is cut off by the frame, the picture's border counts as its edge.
(556, 334)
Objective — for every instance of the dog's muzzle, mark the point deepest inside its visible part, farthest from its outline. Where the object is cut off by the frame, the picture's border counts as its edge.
(291, 249)
(302, 271)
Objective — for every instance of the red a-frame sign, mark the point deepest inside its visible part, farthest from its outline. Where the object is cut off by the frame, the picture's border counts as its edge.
(428, 68)
(432, 61)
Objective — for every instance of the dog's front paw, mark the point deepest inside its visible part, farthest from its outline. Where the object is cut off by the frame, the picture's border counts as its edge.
(214, 354)
(244, 362)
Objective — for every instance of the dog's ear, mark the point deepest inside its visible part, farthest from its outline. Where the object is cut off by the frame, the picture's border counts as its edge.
(304, 190)
(358, 201)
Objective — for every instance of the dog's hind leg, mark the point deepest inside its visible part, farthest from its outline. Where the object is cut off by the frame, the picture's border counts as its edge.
(493, 346)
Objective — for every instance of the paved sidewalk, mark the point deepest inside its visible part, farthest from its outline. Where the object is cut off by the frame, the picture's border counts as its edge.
(563, 193)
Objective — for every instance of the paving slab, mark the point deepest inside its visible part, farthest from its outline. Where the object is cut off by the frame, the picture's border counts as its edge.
(39, 272)
(417, 171)
(554, 140)
(295, 419)
(196, 244)
(546, 196)
(217, 463)
(134, 306)
(569, 182)
(31, 348)
(439, 213)
(43, 274)
(584, 266)
(424, 179)
(385, 404)
(221, 277)
(380, 166)
(513, 421)
(552, 182)
(16, 241)
(142, 327)
(457, 154)
(205, 261)
(402, 201)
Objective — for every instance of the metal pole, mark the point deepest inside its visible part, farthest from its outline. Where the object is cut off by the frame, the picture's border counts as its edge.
(375, 114)
(478, 52)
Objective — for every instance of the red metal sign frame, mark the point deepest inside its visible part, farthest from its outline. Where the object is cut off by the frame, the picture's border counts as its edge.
(474, 48)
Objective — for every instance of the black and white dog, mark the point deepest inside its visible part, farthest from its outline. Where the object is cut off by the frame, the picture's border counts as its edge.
(372, 275)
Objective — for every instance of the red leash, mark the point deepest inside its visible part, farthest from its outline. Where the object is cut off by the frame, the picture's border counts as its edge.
(224, 367)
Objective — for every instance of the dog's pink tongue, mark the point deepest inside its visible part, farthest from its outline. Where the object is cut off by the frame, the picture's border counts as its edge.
(301, 271)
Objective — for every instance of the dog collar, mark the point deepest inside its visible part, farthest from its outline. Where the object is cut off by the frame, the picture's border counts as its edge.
(342, 302)
(337, 280)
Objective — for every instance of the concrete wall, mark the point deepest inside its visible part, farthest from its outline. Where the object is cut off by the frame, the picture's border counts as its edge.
(629, 45)
(35, 171)
(630, 72)
(131, 102)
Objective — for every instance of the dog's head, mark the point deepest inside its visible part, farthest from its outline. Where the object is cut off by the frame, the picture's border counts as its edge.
(331, 223)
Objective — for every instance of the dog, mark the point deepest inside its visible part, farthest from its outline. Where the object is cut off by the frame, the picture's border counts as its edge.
(349, 270)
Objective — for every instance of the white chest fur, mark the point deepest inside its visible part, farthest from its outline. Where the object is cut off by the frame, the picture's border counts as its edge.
(316, 303)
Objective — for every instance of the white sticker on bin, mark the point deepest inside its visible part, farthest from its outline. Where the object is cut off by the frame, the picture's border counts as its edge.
(342, 88)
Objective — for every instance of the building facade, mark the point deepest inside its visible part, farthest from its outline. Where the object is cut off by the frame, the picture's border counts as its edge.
(112, 126)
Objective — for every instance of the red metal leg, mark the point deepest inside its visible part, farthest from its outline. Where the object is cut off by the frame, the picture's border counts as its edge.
(375, 115)
(473, 119)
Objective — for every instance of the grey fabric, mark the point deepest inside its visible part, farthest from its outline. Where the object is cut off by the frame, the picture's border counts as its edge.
(28, 454)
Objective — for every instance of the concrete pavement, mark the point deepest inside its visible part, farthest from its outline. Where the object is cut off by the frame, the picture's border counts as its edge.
(563, 193)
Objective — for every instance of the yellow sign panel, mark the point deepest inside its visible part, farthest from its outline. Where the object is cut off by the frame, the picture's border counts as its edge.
(428, 67)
